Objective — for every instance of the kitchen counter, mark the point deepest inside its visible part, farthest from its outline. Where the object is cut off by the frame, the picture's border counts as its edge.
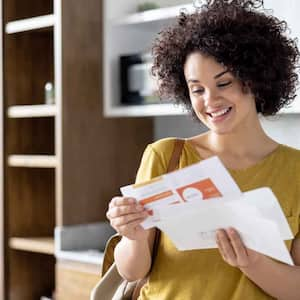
(91, 256)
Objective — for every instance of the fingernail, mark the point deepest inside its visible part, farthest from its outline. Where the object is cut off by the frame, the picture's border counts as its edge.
(230, 230)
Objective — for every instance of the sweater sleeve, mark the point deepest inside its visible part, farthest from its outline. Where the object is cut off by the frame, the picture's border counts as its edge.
(151, 165)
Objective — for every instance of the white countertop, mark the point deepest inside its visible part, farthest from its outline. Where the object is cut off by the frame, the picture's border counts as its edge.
(92, 256)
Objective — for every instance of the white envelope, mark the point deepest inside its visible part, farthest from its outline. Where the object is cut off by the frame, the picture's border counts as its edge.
(257, 216)
(263, 200)
(190, 204)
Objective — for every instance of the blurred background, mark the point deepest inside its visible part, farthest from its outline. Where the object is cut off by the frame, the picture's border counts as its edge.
(78, 108)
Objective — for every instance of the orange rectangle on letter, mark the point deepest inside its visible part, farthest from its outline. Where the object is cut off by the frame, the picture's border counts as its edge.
(156, 197)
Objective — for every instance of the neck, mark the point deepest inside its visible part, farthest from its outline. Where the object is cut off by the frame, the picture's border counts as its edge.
(251, 140)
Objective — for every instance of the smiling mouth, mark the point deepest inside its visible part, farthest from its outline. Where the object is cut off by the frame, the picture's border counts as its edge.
(219, 113)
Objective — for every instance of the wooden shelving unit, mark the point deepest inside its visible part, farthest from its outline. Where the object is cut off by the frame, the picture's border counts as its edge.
(61, 163)
(135, 32)
(39, 245)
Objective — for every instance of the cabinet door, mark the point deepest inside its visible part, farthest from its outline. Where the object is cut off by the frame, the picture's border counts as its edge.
(75, 280)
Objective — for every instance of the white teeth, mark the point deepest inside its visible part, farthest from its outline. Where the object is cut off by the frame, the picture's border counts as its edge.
(220, 112)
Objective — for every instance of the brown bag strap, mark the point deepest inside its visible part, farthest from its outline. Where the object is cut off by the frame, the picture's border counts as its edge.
(175, 157)
(173, 164)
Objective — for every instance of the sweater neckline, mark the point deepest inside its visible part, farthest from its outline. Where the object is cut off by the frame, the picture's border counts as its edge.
(253, 167)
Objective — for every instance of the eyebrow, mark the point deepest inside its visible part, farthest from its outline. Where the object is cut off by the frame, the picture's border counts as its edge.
(220, 74)
(215, 77)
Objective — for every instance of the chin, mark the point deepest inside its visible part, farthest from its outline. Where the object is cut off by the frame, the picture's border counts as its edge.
(221, 131)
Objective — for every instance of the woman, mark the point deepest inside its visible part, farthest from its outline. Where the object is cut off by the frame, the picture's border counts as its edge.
(227, 62)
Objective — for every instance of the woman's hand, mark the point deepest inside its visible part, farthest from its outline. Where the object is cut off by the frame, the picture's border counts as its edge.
(233, 249)
(125, 216)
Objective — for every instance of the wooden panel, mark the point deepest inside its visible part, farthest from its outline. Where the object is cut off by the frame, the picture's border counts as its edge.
(16, 9)
(28, 67)
(30, 202)
(75, 281)
(2, 173)
(30, 136)
(98, 155)
(31, 275)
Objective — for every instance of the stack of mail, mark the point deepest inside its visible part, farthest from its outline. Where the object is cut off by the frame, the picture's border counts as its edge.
(190, 204)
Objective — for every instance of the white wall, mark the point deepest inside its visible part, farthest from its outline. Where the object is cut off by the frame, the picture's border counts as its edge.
(284, 128)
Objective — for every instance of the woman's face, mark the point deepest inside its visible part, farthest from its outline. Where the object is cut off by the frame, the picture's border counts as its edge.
(217, 96)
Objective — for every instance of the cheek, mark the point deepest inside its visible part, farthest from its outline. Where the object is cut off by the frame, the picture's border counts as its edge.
(246, 103)
(197, 104)
(198, 107)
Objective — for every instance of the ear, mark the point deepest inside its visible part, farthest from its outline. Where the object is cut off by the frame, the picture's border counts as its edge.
(246, 87)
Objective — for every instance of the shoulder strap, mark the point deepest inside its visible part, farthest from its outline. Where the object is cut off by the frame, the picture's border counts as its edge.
(175, 157)
(173, 164)
(111, 244)
(108, 256)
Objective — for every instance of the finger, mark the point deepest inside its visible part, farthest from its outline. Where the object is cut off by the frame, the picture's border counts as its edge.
(221, 250)
(227, 247)
(116, 201)
(135, 225)
(119, 211)
(238, 246)
(128, 219)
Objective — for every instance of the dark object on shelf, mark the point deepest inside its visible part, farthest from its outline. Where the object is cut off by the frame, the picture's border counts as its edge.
(137, 84)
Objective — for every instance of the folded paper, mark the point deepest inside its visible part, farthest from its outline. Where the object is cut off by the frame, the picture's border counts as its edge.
(190, 204)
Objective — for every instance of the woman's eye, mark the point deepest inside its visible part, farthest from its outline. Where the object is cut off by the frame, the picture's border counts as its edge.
(222, 84)
(197, 91)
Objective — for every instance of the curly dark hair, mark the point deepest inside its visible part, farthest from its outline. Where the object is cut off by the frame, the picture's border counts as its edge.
(242, 36)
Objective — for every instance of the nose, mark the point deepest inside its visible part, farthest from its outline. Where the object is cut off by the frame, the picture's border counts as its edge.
(209, 97)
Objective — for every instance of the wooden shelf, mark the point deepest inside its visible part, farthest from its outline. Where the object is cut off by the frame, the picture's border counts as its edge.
(147, 110)
(32, 111)
(36, 244)
(32, 161)
(119, 23)
(30, 24)
(155, 15)
(47, 151)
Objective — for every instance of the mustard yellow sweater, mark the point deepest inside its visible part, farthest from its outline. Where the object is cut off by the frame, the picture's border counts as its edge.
(202, 274)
